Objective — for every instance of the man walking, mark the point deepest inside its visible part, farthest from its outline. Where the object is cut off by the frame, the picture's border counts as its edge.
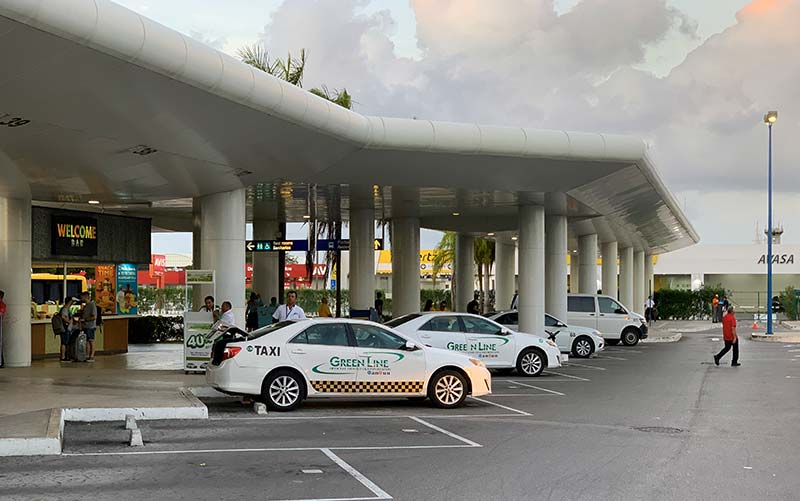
(730, 337)
(715, 309)
(473, 306)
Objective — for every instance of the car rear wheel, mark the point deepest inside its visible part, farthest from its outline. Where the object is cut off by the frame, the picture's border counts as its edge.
(283, 391)
(531, 362)
(630, 337)
(583, 347)
(447, 389)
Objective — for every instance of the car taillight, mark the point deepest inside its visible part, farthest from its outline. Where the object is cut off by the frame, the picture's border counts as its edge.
(230, 352)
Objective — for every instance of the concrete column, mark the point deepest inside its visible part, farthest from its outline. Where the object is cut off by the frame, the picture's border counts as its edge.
(626, 277)
(649, 284)
(638, 282)
(266, 275)
(531, 269)
(587, 271)
(555, 228)
(609, 251)
(223, 234)
(198, 291)
(505, 252)
(362, 250)
(405, 266)
(464, 269)
(15, 278)
(574, 272)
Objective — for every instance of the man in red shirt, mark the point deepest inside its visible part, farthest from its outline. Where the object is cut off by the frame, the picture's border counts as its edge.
(730, 338)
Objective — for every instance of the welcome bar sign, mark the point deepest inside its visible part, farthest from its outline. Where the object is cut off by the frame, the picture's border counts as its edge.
(73, 236)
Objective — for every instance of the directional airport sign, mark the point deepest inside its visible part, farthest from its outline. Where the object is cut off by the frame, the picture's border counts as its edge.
(302, 245)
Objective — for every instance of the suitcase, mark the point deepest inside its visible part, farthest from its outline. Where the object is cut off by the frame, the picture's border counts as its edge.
(77, 347)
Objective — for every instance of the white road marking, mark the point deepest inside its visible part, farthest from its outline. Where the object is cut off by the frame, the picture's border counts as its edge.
(611, 358)
(793, 351)
(315, 471)
(538, 388)
(369, 484)
(501, 406)
(448, 433)
(410, 430)
(357, 416)
(573, 364)
(568, 376)
(522, 395)
(268, 449)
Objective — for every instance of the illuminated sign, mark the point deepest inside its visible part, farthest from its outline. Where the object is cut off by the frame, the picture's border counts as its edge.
(74, 236)
(302, 245)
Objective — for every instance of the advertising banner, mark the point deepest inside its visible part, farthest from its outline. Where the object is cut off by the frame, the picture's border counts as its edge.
(196, 348)
(197, 277)
(73, 236)
(127, 289)
(105, 288)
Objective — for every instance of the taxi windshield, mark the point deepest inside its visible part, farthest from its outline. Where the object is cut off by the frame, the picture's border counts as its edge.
(401, 320)
(269, 329)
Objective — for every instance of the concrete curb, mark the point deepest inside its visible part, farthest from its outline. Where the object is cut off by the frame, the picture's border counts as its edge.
(48, 445)
(53, 442)
(791, 337)
(663, 339)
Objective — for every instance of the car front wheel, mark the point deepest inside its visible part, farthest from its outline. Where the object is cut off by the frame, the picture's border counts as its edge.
(630, 337)
(283, 391)
(447, 389)
(531, 362)
(583, 347)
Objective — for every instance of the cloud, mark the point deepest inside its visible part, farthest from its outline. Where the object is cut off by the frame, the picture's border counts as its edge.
(518, 62)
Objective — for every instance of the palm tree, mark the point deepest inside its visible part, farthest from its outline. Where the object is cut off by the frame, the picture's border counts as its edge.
(292, 70)
(484, 255)
(445, 254)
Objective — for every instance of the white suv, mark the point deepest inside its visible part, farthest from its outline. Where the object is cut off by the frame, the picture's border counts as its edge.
(614, 321)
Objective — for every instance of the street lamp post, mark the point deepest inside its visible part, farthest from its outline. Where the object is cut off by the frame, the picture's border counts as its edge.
(770, 118)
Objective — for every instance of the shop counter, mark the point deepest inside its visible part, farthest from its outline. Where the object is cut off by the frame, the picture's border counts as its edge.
(111, 338)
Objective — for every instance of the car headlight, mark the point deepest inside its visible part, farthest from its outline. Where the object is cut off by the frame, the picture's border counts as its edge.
(477, 362)
(552, 343)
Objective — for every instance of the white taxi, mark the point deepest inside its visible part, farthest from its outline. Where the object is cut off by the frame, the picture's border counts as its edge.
(575, 339)
(292, 360)
(484, 339)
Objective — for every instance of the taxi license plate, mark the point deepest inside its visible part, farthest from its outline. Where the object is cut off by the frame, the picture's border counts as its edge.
(564, 357)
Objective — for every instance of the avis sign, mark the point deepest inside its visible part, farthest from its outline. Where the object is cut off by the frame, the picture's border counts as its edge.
(777, 259)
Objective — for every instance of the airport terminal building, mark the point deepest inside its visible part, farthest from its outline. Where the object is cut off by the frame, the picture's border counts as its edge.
(105, 111)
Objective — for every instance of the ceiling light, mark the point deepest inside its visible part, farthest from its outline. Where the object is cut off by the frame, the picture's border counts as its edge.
(514, 238)
(456, 213)
(306, 216)
(490, 234)
(94, 202)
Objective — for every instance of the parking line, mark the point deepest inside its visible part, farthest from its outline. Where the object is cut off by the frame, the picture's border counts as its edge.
(501, 406)
(542, 389)
(369, 484)
(268, 449)
(569, 376)
(442, 430)
(358, 416)
(571, 364)
(610, 358)
(495, 395)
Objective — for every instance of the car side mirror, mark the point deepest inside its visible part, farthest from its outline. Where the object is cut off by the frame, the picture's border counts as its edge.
(411, 345)
(561, 324)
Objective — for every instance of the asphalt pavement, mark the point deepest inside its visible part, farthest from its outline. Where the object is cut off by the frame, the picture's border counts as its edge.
(656, 421)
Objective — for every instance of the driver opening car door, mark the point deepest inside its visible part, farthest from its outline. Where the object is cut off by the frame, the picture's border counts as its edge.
(486, 342)
(324, 354)
(443, 332)
(387, 365)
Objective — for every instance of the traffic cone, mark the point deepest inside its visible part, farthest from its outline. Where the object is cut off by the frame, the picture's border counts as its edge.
(755, 325)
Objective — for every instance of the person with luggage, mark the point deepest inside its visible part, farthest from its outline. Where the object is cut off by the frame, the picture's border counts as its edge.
(88, 319)
(62, 327)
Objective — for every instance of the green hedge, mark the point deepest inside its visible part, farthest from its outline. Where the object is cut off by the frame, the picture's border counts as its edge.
(155, 329)
(680, 304)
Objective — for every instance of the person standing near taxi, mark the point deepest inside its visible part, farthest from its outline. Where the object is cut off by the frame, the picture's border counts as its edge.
(289, 311)
(324, 310)
(730, 338)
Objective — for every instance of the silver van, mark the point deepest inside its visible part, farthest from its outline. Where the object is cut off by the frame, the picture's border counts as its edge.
(614, 321)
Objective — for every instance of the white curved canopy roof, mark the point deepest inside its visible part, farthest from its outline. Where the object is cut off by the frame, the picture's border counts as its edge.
(101, 85)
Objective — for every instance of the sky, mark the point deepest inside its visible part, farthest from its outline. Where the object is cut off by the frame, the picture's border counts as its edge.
(693, 78)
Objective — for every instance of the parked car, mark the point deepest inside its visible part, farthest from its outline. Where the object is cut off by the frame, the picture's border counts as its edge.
(581, 342)
(498, 346)
(614, 321)
(290, 361)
